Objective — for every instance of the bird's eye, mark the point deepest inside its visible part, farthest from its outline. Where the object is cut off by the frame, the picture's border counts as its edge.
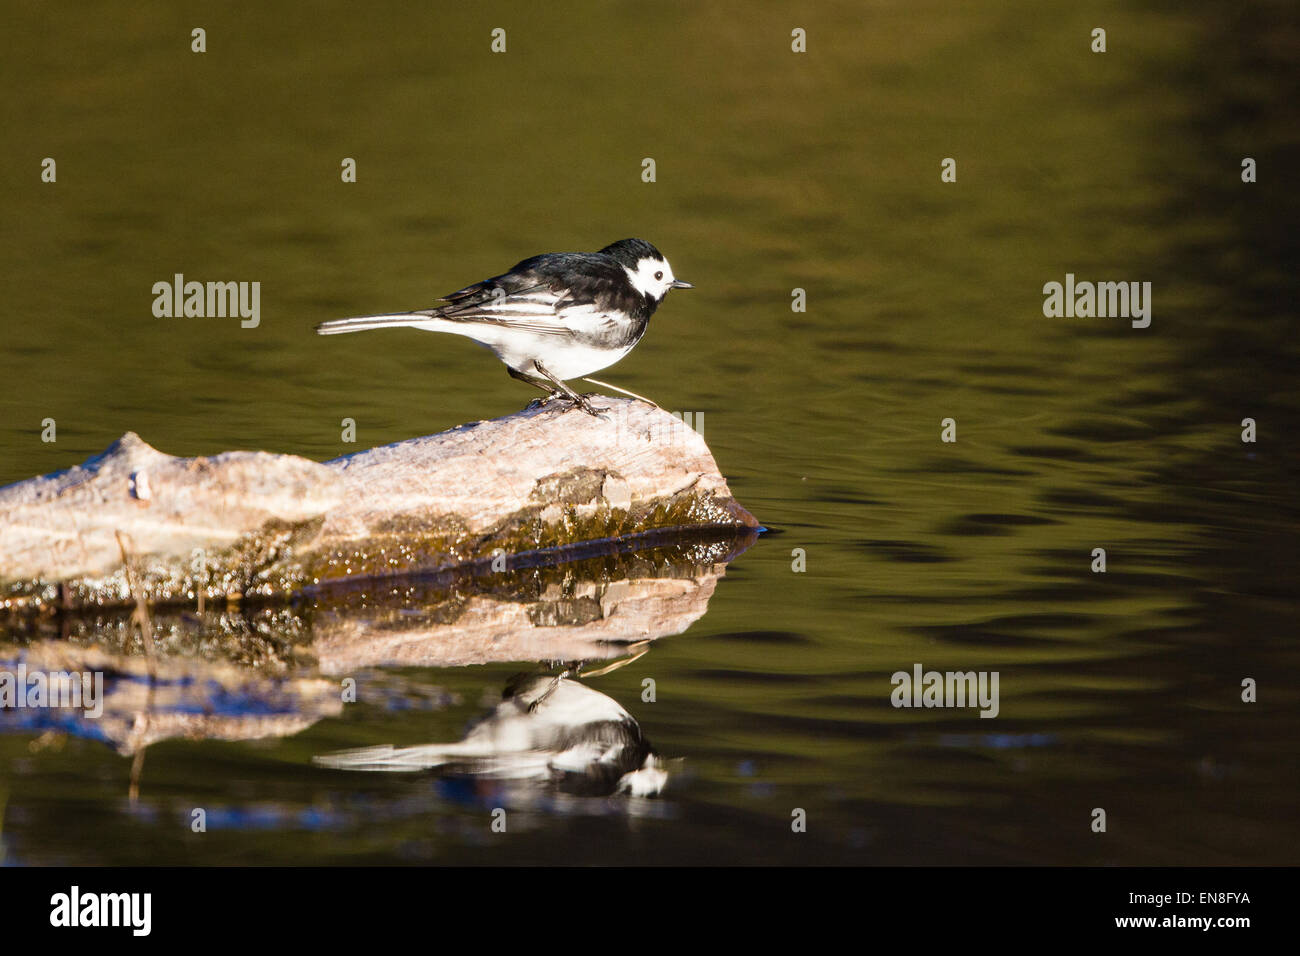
(659, 275)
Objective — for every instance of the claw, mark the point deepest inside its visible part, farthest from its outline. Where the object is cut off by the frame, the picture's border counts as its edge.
(586, 406)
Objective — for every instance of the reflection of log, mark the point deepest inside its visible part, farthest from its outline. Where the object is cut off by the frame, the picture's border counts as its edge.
(602, 620)
(198, 700)
(256, 524)
(238, 675)
(582, 611)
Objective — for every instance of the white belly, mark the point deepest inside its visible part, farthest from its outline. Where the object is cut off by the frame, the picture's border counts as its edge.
(563, 357)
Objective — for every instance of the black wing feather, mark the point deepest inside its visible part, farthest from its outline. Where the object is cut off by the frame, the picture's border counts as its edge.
(548, 282)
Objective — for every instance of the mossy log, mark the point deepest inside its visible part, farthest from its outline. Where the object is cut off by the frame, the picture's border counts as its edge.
(544, 481)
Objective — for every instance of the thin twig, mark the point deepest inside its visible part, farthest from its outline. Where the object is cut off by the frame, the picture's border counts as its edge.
(596, 381)
(639, 650)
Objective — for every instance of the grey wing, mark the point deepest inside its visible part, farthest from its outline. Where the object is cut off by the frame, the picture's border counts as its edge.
(531, 305)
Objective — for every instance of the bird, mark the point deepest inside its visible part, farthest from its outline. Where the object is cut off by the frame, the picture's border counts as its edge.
(550, 732)
(552, 317)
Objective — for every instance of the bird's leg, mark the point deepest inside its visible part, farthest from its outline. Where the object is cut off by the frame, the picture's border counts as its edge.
(569, 393)
(550, 689)
(574, 669)
(533, 380)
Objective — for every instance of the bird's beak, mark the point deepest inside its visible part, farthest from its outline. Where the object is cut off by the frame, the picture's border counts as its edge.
(679, 284)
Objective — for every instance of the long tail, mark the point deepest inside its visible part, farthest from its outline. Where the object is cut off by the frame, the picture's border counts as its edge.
(388, 757)
(363, 322)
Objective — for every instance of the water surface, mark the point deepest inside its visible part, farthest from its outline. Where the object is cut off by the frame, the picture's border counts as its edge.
(775, 171)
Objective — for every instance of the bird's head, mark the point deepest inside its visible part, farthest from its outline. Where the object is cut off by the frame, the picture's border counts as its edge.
(646, 267)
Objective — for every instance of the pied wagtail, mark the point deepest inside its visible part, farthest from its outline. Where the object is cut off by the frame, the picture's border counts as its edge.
(553, 317)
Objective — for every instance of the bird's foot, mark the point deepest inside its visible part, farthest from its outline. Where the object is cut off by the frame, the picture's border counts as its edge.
(546, 400)
(580, 401)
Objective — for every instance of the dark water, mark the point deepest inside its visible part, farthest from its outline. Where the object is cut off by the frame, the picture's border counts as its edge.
(775, 170)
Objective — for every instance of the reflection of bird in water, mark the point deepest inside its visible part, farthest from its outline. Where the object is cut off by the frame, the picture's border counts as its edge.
(549, 730)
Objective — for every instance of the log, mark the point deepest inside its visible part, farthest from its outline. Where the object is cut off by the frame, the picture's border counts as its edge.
(529, 488)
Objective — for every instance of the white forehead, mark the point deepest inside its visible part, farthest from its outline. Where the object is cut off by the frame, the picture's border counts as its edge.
(643, 276)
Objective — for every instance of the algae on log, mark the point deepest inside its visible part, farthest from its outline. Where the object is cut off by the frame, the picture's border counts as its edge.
(253, 524)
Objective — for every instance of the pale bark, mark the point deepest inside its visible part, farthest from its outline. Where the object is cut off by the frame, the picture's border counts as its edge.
(253, 524)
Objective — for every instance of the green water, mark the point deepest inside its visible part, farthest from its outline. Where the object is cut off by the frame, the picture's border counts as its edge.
(775, 171)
